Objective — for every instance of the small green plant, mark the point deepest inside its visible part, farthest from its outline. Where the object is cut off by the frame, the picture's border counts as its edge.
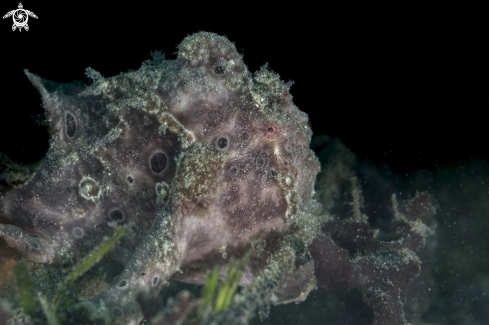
(230, 285)
(26, 288)
(217, 298)
(86, 263)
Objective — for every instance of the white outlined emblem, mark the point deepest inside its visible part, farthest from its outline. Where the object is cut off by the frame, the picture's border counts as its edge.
(20, 17)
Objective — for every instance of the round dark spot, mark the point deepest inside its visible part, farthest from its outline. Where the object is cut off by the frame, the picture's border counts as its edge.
(233, 172)
(222, 143)
(273, 172)
(130, 179)
(70, 125)
(155, 280)
(273, 131)
(219, 70)
(78, 232)
(133, 311)
(158, 162)
(122, 284)
(143, 274)
(117, 215)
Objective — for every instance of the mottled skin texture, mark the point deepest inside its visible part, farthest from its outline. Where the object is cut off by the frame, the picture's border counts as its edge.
(196, 154)
(206, 162)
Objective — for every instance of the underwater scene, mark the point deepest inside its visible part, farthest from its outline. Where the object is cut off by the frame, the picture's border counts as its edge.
(140, 184)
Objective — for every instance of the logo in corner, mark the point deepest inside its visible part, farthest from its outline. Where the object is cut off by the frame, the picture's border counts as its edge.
(20, 17)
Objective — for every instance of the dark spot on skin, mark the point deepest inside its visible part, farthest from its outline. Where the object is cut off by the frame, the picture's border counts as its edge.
(70, 125)
(273, 131)
(123, 283)
(129, 179)
(222, 143)
(159, 162)
(78, 232)
(233, 172)
(117, 215)
(143, 274)
(219, 70)
(155, 280)
(273, 172)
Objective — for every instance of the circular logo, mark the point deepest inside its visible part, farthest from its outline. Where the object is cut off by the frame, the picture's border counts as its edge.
(20, 18)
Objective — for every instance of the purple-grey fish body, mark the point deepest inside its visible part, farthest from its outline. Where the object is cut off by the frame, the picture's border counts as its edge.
(197, 155)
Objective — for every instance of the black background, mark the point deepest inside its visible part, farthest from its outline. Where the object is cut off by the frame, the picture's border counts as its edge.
(398, 83)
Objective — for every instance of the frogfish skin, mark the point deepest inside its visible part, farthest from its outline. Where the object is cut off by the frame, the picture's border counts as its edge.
(203, 160)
